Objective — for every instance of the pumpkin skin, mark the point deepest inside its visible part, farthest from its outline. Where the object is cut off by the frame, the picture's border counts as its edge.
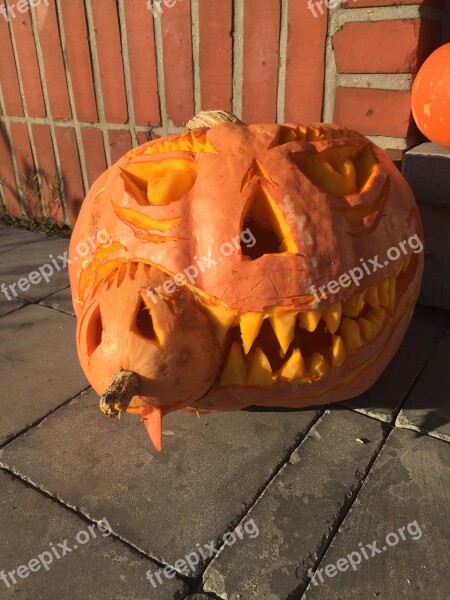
(318, 199)
(430, 97)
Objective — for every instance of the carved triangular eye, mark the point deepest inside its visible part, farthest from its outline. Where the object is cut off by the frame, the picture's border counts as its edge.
(94, 332)
(266, 222)
(144, 322)
(340, 171)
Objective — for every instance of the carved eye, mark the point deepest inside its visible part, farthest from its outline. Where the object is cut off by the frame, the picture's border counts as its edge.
(94, 332)
(144, 322)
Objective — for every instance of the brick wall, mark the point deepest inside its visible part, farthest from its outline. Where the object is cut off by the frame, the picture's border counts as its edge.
(82, 81)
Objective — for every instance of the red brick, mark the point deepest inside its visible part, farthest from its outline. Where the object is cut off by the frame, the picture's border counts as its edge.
(28, 65)
(177, 43)
(405, 45)
(7, 172)
(94, 152)
(142, 60)
(71, 170)
(216, 70)
(362, 3)
(261, 56)
(120, 143)
(47, 168)
(79, 60)
(25, 167)
(143, 137)
(8, 74)
(107, 35)
(55, 75)
(305, 67)
(374, 112)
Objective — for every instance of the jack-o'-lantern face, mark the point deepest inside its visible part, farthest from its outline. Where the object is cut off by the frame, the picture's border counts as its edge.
(261, 253)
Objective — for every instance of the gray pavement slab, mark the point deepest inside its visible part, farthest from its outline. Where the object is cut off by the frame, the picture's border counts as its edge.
(9, 306)
(92, 568)
(406, 488)
(210, 471)
(383, 400)
(299, 512)
(61, 301)
(428, 407)
(13, 237)
(39, 368)
(28, 271)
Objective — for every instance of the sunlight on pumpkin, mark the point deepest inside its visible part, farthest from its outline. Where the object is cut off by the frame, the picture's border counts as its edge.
(87, 274)
(340, 171)
(138, 220)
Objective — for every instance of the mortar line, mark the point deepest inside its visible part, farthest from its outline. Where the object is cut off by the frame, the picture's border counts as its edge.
(282, 61)
(127, 72)
(74, 123)
(97, 80)
(330, 74)
(195, 25)
(20, 194)
(238, 57)
(48, 112)
(160, 75)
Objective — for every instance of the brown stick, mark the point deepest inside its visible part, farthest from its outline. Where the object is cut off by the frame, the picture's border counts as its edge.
(115, 401)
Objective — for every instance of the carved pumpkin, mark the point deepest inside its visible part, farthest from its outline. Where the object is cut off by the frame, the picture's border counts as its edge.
(430, 97)
(249, 329)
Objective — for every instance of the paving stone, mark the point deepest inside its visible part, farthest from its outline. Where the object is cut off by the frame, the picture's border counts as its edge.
(62, 301)
(38, 366)
(383, 399)
(210, 470)
(7, 307)
(408, 486)
(427, 170)
(12, 237)
(298, 512)
(19, 263)
(98, 568)
(427, 408)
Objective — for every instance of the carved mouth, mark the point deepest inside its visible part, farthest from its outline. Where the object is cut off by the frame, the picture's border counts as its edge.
(279, 347)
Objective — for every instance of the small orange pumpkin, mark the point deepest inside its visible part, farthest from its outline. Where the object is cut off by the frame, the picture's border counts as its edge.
(250, 329)
(430, 97)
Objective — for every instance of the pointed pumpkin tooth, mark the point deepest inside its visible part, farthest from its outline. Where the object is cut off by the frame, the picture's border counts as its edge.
(372, 296)
(235, 372)
(222, 319)
(332, 316)
(376, 316)
(406, 264)
(367, 329)
(294, 367)
(392, 294)
(351, 335)
(260, 371)
(310, 319)
(338, 351)
(353, 305)
(319, 366)
(383, 293)
(284, 328)
(250, 324)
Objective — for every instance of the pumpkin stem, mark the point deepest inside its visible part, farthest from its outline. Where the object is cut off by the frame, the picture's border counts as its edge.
(124, 385)
(209, 118)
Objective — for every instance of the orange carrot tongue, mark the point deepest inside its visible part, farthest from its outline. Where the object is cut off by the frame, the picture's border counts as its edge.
(152, 418)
